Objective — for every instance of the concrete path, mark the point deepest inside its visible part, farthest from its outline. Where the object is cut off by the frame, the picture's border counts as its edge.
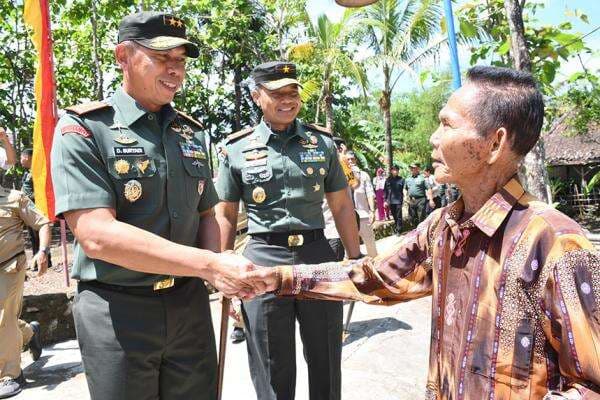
(384, 358)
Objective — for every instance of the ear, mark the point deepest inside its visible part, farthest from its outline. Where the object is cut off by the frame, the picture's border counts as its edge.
(499, 145)
(256, 97)
(121, 55)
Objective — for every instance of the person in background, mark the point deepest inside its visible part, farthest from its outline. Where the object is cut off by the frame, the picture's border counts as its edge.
(364, 204)
(27, 189)
(16, 212)
(394, 197)
(434, 191)
(379, 186)
(8, 157)
(417, 191)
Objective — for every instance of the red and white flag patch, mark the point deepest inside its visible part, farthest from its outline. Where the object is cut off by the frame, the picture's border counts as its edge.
(77, 129)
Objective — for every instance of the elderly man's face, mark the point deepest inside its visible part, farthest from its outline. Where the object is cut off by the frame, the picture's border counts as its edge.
(459, 151)
(280, 107)
(153, 77)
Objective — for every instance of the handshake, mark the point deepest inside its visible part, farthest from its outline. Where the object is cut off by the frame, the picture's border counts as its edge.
(236, 276)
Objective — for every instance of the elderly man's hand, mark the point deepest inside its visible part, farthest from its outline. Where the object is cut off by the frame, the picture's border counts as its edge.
(41, 260)
(269, 278)
(227, 277)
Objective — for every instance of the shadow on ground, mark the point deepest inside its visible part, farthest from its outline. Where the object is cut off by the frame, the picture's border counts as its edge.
(366, 329)
(39, 374)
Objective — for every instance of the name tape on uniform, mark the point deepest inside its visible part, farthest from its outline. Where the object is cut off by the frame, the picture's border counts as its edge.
(125, 151)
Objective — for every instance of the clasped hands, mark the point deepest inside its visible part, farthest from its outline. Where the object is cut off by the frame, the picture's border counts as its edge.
(236, 276)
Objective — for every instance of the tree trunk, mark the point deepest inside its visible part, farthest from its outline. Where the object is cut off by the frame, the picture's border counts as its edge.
(328, 102)
(533, 172)
(99, 79)
(237, 78)
(384, 103)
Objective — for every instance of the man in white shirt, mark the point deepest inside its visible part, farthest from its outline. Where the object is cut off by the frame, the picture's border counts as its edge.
(364, 204)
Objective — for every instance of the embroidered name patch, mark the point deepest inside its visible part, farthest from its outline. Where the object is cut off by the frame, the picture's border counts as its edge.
(77, 129)
(124, 151)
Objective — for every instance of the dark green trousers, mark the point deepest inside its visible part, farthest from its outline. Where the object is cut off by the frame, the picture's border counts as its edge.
(139, 347)
(271, 330)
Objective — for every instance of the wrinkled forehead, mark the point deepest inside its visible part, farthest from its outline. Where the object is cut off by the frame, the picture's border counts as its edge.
(461, 104)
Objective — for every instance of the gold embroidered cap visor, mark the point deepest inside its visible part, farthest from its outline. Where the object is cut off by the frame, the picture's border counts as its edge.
(162, 43)
(279, 83)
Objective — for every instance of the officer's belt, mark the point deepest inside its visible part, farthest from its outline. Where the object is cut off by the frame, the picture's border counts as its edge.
(290, 239)
(135, 290)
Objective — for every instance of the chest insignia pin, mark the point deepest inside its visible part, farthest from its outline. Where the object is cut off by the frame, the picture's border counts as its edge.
(133, 190)
(122, 166)
(259, 195)
(142, 165)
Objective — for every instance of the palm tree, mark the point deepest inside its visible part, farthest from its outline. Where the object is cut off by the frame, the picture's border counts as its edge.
(327, 44)
(403, 33)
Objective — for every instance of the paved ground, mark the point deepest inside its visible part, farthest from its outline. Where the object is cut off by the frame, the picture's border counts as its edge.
(384, 358)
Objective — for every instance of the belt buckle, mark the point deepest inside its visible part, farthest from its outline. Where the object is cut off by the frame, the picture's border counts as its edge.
(164, 284)
(295, 240)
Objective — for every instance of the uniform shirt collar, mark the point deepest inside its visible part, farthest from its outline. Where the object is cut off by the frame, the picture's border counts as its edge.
(264, 133)
(493, 213)
(130, 110)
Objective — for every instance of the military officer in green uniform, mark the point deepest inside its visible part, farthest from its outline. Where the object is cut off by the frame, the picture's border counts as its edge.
(418, 192)
(132, 180)
(282, 169)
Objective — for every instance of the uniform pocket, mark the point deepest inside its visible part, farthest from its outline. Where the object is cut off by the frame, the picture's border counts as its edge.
(136, 182)
(196, 179)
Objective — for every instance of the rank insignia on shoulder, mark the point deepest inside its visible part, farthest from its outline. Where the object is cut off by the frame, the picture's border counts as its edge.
(76, 129)
(122, 166)
(133, 190)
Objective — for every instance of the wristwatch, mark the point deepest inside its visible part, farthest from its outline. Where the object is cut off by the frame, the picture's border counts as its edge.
(46, 250)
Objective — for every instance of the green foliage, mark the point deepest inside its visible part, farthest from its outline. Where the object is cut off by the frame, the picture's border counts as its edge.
(484, 25)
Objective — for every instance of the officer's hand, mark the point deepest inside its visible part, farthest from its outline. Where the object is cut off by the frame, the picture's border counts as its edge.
(41, 260)
(226, 277)
(270, 278)
(431, 203)
(371, 218)
(386, 204)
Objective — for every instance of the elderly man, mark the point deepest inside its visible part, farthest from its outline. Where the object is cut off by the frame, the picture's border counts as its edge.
(132, 179)
(515, 283)
(8, 157)
(282, 170)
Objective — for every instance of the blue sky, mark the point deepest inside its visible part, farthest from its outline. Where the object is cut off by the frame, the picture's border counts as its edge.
(552, 14)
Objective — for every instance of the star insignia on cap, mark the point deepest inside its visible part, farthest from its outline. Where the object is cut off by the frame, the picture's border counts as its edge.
(286, 69)
(172, 21)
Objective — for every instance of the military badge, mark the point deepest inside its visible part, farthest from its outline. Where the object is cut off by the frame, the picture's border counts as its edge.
(322, 171)
(133, 190)
(313, 140)
(175, 127)
(142, 165)
(316, 187)
(201, 184)
(197, 163)
(77, 129)
(255, 155)
(259, 195)
(310, 170)
(122, 166)
(124, 139)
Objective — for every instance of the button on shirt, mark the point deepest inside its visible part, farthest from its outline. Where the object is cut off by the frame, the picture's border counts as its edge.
(294, 170)
(516, 297)
(101, 158)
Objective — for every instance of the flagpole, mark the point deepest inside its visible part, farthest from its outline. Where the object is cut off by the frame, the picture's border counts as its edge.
(452, 42)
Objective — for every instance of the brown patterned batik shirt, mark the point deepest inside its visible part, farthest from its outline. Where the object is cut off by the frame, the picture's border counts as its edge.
(516, 297)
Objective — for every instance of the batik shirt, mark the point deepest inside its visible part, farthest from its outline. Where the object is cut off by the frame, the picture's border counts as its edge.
(516, 292)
